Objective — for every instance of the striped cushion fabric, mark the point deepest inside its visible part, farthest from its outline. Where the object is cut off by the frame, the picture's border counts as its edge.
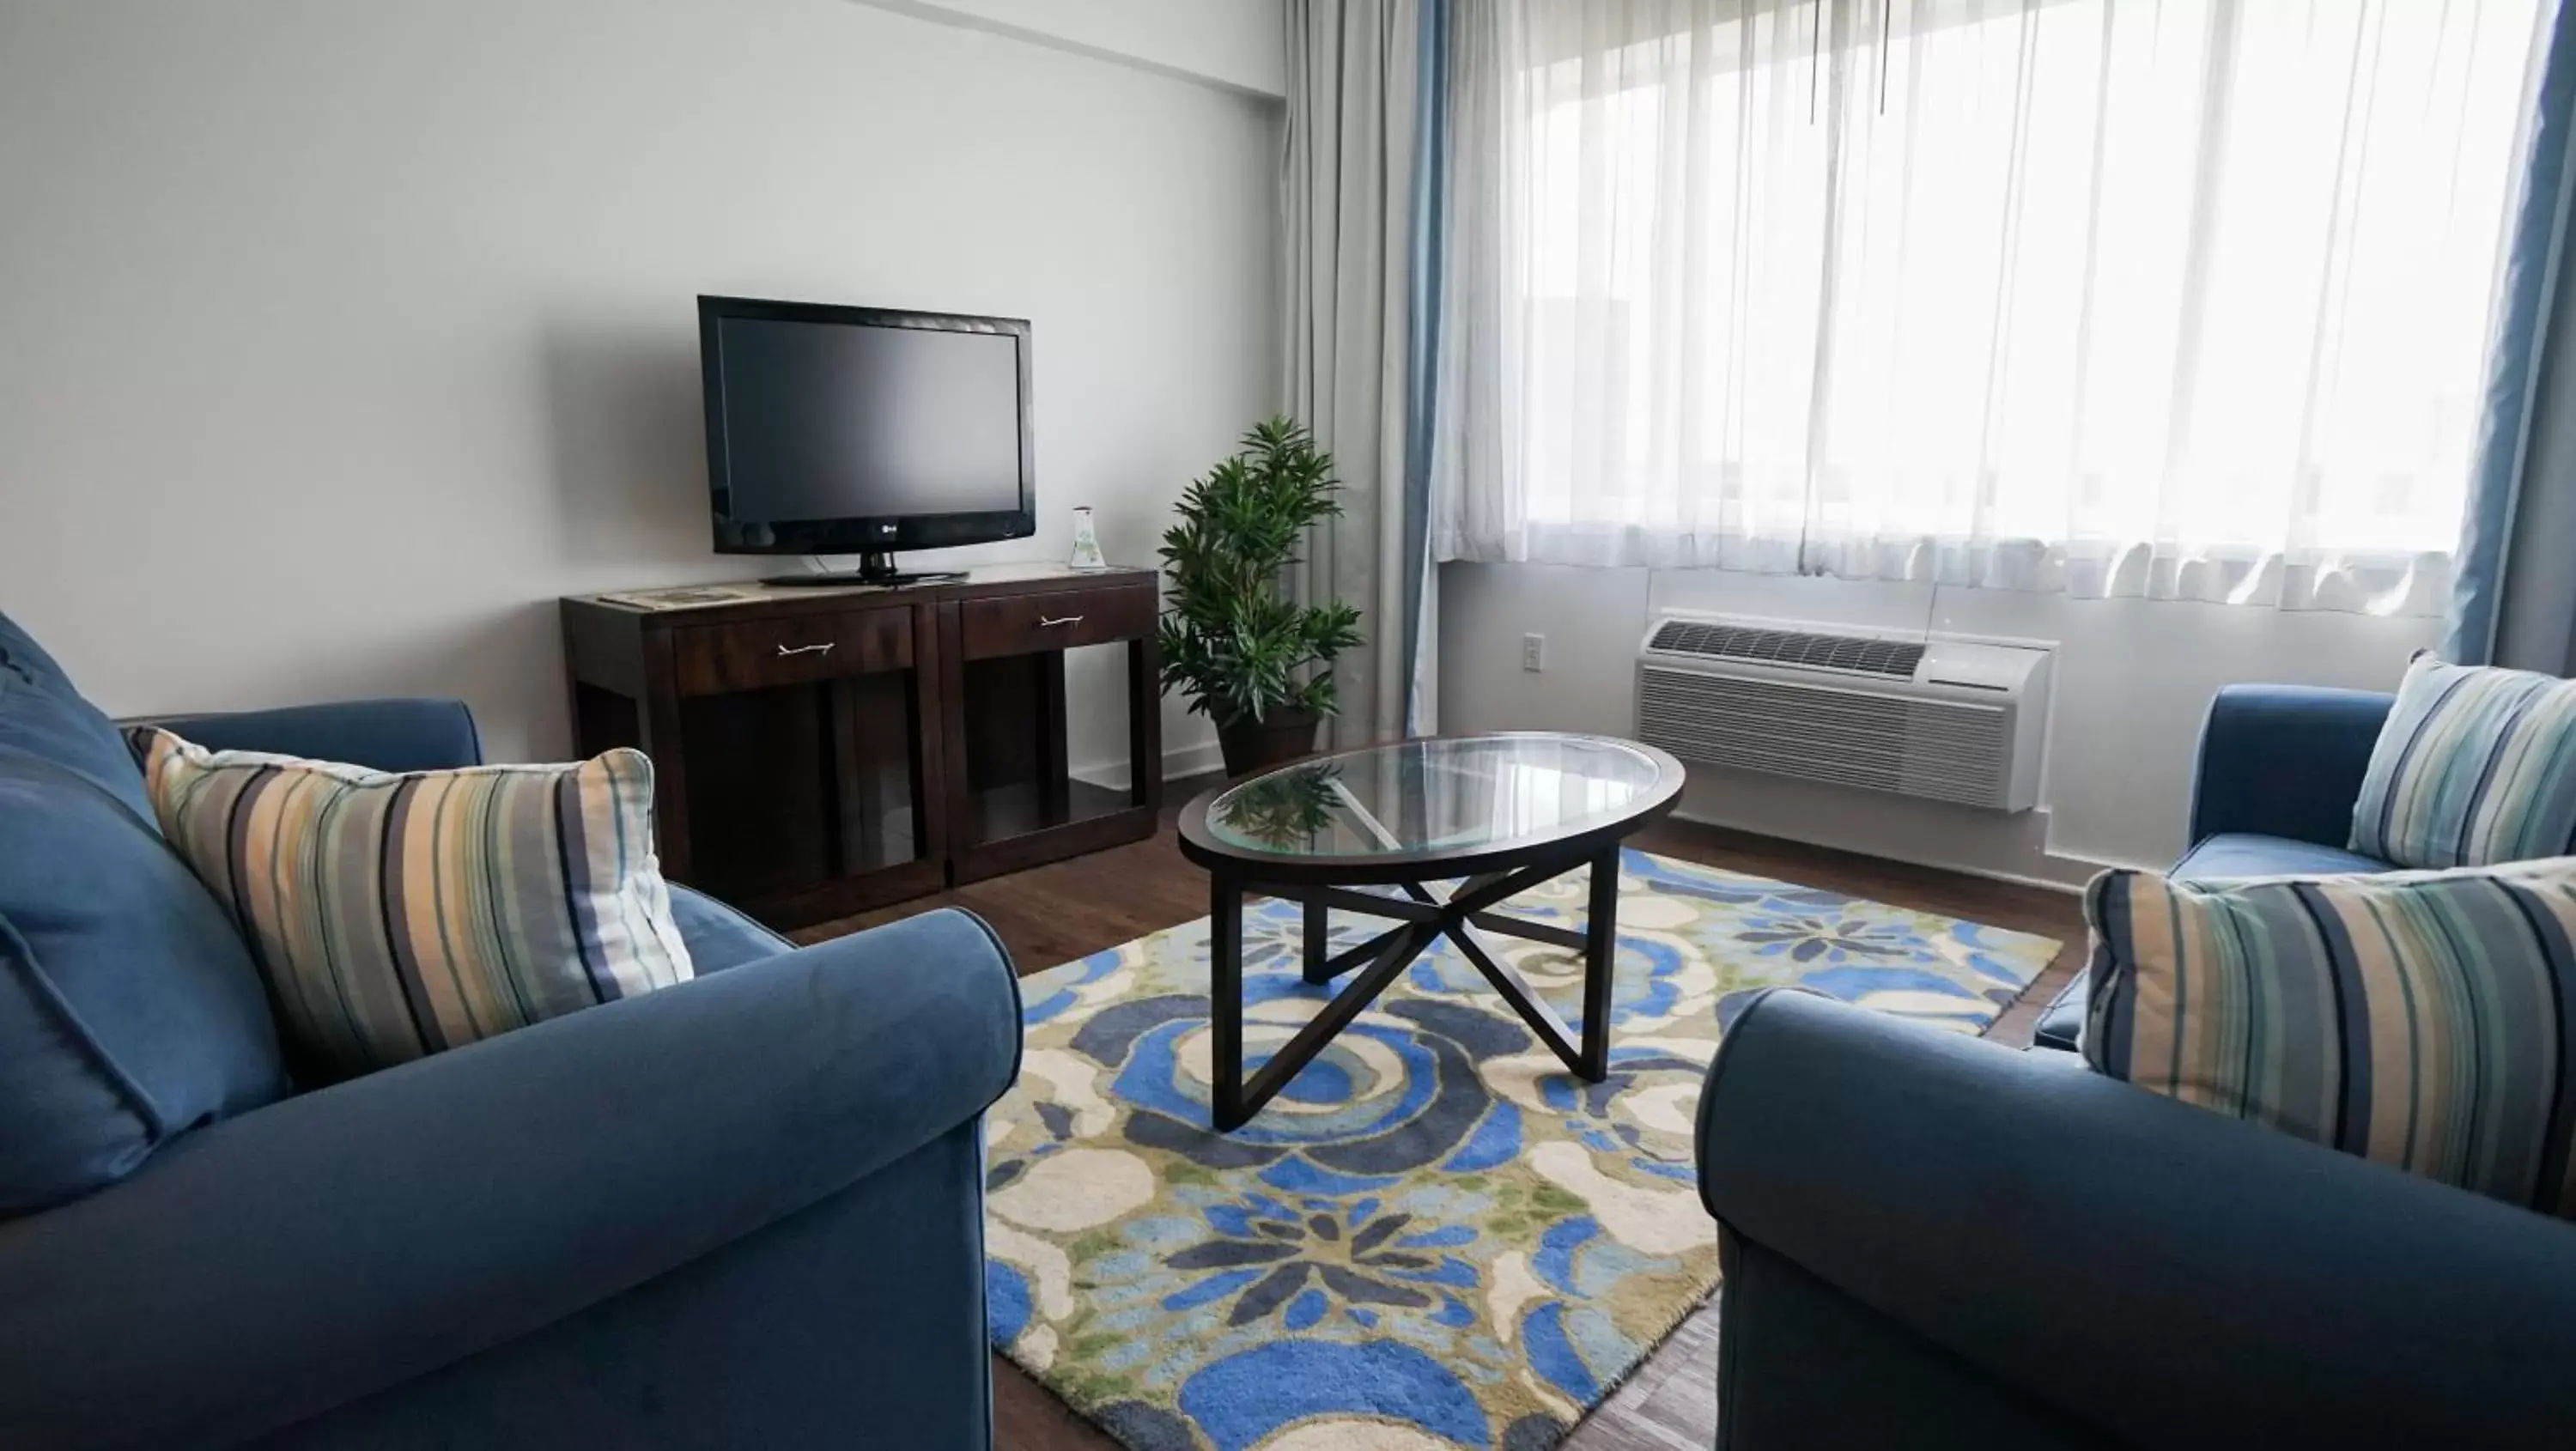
(2419, 1019)
(397, 915)
(2475, 766)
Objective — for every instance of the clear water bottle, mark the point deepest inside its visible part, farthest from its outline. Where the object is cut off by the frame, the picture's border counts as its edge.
(1086, 541)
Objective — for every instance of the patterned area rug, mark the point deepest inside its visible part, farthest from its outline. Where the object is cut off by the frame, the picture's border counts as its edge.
(1434, 1237)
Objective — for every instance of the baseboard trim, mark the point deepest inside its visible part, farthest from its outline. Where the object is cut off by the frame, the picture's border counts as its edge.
(1197, 758)
(2078, 870)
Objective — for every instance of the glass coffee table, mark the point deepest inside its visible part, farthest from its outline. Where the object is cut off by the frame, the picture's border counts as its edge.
(1496, 814)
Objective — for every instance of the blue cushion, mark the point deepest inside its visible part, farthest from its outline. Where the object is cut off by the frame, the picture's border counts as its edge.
(381, 735)
(2244, 854)
(2061, 1023)
(42, 714)
(28, 658)
(719, 937)
(129, 1011)
(2222, 857)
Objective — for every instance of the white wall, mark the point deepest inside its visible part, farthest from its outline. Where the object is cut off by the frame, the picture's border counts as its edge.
(1238, 44)
(337, 340)
(2133, 680)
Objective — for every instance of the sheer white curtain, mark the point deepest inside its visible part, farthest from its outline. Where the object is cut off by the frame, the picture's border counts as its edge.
(2182, 299)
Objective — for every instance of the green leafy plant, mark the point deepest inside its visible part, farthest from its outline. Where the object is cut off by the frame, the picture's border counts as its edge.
(1231, 635)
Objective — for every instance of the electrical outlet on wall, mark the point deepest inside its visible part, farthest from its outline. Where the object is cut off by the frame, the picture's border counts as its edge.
(1533, 652)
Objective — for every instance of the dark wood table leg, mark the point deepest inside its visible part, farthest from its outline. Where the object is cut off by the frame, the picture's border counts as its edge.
(1600, 961)
(1385, 956)
(1319, 938)
(1225, 1001)
(1521, 998)
(1587, 1053)
(1233, 1099)
(1424, 917)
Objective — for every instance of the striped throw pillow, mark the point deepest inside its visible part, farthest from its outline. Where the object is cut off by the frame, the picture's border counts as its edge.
(2475, 766)
(397, 915)
(2418, 1019)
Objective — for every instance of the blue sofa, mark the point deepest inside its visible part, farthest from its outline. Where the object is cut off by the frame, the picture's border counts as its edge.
(1935, 1241)
(743, 1211)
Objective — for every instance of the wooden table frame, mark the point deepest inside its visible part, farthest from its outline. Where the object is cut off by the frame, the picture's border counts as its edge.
(1424, 917)
(1488, 876)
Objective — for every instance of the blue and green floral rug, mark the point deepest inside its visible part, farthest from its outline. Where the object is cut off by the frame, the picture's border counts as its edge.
(1435, 1237)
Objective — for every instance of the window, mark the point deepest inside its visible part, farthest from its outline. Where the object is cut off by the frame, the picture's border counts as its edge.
(2177, 298)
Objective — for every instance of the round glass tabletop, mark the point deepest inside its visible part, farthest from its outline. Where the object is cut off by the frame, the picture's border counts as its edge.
(1427, 799)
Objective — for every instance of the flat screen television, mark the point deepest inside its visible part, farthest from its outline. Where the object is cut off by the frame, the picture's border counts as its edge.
(860, 430)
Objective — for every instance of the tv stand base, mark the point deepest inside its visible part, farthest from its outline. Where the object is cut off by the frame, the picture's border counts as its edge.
(875, 567)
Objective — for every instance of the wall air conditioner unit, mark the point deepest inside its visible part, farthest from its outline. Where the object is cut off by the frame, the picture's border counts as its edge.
(1946, 719)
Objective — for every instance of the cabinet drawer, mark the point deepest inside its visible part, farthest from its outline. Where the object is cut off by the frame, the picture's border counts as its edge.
(789, 650)
(1019, 624)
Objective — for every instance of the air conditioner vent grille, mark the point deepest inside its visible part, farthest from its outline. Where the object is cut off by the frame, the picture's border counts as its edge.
(1856, 654)
(1944, 750)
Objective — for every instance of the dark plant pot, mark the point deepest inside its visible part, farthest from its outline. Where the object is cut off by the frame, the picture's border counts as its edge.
(1257, 745)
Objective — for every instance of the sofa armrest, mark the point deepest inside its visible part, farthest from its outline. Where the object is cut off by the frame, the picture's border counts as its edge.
(276, 1265)
(2284, 760)
(2153, 1271)
(417, 734)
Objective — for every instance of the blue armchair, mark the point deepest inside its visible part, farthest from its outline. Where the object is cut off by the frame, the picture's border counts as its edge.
(2279, 769)
(1935, 1241)
(744, 1211)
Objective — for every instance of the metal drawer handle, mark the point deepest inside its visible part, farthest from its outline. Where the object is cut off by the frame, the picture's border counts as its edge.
(1047, 624)
(823, 649)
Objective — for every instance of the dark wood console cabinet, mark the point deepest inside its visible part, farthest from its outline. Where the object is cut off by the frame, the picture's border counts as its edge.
(821, 751)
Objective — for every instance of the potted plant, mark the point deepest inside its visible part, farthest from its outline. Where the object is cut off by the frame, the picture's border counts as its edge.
(1230, 634)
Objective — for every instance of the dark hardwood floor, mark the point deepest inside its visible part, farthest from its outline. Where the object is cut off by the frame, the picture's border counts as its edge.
(1069, 909)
